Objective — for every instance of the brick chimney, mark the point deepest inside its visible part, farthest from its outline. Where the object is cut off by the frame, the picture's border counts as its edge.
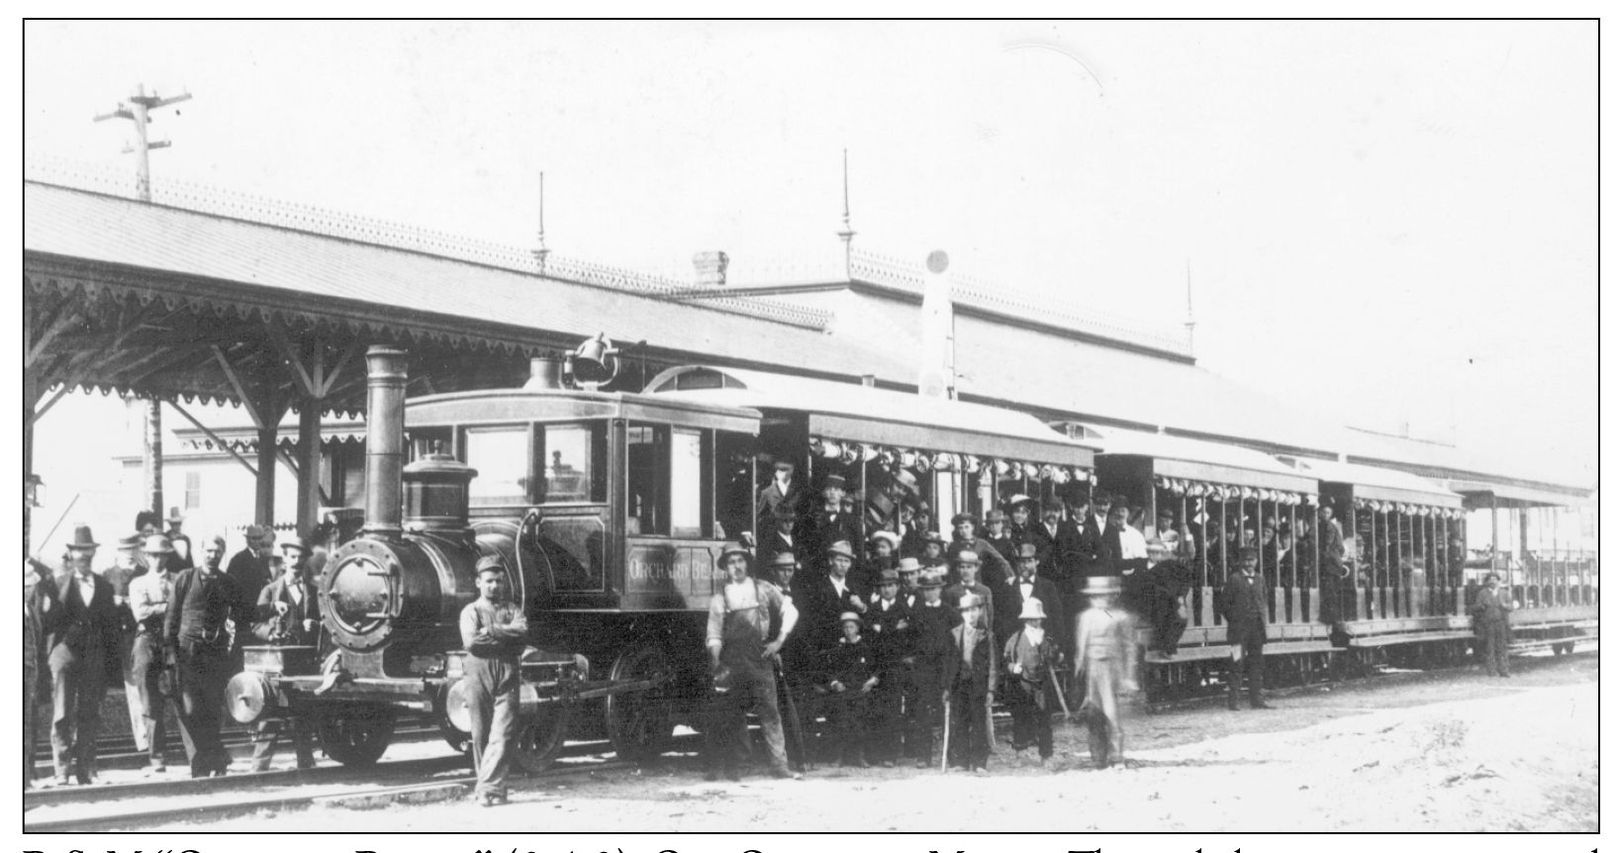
(711, 268)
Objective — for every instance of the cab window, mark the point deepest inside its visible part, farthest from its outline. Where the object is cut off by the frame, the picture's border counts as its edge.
(500, 455)
(574, 463)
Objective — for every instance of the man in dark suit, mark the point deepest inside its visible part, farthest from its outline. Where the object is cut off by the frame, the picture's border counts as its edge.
(785, 489)
(83, 654)
(41, 608)
(1243, 603)
(829, 522)
(970, 673)
(1025, 586)
(250, 567)
(832, 595)
(891, 642)
(996, 534)
(931, 621)
(196, 634)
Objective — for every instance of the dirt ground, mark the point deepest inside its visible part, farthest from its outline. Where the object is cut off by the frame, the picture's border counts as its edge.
(1451, 751)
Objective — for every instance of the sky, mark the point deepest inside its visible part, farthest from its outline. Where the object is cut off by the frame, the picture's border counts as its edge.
(1393, 222)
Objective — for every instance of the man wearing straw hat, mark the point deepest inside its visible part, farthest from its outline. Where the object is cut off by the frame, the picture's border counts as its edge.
(83, 654)
(1243, 603)
(747, 622)
(1032, 658)
(149, 597)
(1104, 660)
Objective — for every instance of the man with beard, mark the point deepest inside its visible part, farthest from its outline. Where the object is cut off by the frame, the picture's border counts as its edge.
(829, 522)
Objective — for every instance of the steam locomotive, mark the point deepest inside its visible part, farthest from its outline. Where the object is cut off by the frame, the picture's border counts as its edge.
(572, 478)
(610, 511)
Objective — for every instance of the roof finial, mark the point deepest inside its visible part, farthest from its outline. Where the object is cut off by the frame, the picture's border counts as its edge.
(1190, 318)
(541, 253)
(847, 233)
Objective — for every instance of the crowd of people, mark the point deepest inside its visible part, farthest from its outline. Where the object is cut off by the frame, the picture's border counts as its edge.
(897, 652)
(167, 623)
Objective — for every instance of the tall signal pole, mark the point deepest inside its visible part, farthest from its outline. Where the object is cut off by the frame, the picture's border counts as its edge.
(138, 110)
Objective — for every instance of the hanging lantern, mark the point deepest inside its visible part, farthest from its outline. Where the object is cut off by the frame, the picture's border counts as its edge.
(851, 454)
(831, 449)
(1196, 490)
(924, 462)
(1001, 468)
(1063, 475)
(972, 464)
(1091, 477)
(870, 452)
(887, 457)
(1310, 498)
(814, 446)
(1047, 472)
(944, 462)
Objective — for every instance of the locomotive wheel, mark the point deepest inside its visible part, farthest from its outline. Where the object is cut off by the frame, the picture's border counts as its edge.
(356, 735)
(458, 740)
(640, 724)
(542, 737)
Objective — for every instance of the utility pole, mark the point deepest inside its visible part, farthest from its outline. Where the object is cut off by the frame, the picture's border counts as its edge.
(1190, 318)
(137, 109)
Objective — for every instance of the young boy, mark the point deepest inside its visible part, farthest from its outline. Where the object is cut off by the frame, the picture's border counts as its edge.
(1032, 659)
(494, 631)
(849, 678)
(1105, 659)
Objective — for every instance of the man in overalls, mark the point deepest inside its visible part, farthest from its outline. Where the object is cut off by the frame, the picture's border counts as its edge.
(494, 632)
(747, 621)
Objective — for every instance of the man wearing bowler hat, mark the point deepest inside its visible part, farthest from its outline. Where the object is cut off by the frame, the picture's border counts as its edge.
(996, 534)
(829, 522)
(747, 621)
(182, 543)
(83, 655)
(971, 671)
(1243, 603)
(967, 568)
(929, 654)
(1012, 598)
(891, 641)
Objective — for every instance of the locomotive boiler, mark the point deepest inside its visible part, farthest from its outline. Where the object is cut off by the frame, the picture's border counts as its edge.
(577, 494)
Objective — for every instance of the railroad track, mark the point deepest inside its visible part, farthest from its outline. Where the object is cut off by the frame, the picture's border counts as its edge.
(150, 815)
(145, 804)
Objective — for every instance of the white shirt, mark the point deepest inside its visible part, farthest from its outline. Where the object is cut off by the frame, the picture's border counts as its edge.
(87, 588)
(149, 595)
(1131, 544)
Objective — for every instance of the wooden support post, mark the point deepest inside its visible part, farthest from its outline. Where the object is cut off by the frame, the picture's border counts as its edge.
(264, 489)
(309, 491)
(152, 456)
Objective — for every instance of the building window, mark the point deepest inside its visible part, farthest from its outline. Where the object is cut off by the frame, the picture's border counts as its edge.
(193, 489)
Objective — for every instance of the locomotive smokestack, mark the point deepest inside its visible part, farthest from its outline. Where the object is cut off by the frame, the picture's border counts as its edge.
(384, 440)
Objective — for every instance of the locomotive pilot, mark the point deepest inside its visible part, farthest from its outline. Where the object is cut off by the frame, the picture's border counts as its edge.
(494, 632)
(747, 622)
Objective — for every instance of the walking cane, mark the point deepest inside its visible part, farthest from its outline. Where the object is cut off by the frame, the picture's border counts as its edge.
(797, 721)
(943, 756)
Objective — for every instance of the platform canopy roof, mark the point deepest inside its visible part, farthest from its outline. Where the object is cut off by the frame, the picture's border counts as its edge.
(179, 304)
